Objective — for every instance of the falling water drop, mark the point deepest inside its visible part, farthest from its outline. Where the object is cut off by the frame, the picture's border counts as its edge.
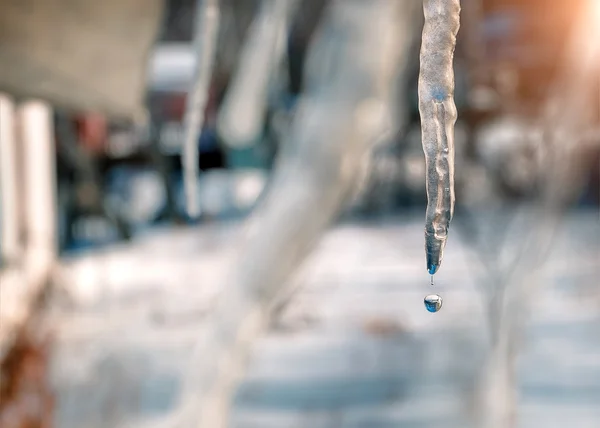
(433, 302)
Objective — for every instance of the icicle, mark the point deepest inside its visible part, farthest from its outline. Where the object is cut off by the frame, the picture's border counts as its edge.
(205, 40)
(332, 131)
(438, 115)
(516, 286)
(240, 119)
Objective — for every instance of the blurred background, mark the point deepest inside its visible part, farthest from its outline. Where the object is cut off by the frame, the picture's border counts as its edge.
(101, 335)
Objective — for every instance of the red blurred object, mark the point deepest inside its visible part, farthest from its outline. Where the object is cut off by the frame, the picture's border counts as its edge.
(175, 107)
(92, 130)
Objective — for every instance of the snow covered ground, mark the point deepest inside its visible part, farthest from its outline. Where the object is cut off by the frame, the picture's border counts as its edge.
(353, 347)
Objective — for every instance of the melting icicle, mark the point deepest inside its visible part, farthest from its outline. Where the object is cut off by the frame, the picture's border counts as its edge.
(205, 41)
(240, 120)
(438, 115)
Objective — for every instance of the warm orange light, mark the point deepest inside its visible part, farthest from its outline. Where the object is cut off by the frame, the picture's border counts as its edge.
(595, 7)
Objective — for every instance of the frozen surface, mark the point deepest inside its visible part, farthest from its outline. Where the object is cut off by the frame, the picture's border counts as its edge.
(354, 347)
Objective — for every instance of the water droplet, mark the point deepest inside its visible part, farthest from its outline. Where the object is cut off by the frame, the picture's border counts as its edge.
(433, 302)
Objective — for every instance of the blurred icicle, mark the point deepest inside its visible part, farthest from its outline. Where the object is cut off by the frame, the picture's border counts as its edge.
(241, 117)
(566, 120)
(205, 41)
(438, 115)
(351, 68)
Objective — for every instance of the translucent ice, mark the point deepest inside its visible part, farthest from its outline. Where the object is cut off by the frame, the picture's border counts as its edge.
(438, 115)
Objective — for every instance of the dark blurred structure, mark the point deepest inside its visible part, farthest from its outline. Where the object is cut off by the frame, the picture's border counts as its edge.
(507, 58)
